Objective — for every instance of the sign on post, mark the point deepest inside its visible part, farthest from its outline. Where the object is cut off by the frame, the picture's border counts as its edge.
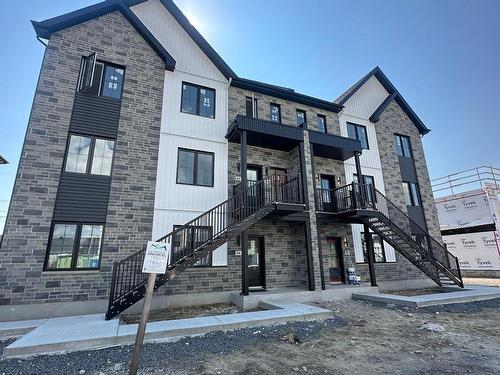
(156, 258)
(155, 261)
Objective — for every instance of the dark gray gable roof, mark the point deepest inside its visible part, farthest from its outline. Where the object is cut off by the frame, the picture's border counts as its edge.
(3, 160)
(393, 95)
(284, 93)
(44, 29)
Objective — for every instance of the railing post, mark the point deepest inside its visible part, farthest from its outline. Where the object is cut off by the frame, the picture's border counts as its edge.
(353, 196)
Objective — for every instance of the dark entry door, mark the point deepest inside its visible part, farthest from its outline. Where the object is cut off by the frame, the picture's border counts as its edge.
(278, 181)
(327, 196)
(254, 174)
(256, 262)
(335, 261)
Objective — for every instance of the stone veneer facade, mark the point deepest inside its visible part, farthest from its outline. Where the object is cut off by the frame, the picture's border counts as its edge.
(131, 202)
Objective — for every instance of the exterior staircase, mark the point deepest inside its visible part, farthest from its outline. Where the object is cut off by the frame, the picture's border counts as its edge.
(384, 218)
(199, 237)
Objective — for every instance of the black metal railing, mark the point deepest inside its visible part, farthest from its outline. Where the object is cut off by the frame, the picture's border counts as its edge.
(187, 240)
(357, 196)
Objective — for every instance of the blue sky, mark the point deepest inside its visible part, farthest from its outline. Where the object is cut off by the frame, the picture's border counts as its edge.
(443, 57)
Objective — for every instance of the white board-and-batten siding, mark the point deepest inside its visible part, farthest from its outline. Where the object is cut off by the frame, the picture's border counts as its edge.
(176, 204)
(358, 109)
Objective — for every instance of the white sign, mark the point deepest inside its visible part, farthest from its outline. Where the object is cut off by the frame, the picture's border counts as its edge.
(475, 251)
(465, 210)
(157, 257)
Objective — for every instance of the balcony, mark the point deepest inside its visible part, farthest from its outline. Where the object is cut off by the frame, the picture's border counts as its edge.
(268, 134)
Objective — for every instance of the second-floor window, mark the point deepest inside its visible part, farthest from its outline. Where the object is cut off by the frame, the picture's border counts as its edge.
(321, 122)
(89, 155)
(402, 145)
(355, 131)
(100, 78)
(411, 194)
(195, 167)
(300, 117)
(275, 114)
(198, 100)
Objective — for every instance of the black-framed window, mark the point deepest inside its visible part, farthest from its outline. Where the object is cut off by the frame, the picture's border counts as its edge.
(275, 112)
(198, 100)
(355, 131)
(251, 107)
(378, 248)
(90, 155)
(321, 123)
(367, 180)
(195, 167)
(190, 239)
(403, 147)
(300, 117)
(74, 246)
(101, 78)
(411, 194)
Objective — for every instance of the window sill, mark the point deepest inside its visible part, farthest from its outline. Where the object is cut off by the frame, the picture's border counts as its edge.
(72, 273)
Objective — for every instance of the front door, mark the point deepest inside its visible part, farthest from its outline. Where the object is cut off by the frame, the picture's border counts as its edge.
(278, 181)
(335, 261)
(327, 196)
(256, 262)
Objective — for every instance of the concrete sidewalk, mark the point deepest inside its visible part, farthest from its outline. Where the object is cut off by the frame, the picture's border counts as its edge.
(86, 332)
(470, 293)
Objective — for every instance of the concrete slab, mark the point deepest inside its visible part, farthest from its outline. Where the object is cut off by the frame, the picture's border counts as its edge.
(92, 331)
(469, 294)
(20, 327)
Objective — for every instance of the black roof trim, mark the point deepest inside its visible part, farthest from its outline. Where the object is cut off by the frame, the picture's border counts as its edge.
(394, 94)
(285, 93)
(44, 29)
(381, 108)
(3, 160)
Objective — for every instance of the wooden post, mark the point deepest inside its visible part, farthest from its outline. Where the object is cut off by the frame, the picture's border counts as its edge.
(141, 330)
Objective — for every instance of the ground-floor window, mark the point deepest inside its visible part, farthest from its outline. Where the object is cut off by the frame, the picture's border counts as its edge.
(189, 239)
(378, 248)
(74, 246)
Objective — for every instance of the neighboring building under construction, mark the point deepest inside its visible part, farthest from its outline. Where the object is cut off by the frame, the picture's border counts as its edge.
(468, 206)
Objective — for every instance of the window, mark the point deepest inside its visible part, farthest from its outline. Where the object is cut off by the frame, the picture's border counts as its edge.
(100, 78)
(300, 117)
(321, 122)
(275, 112)
(198, 100)
(195, 167)
(112, 82)
(189, 239)
(74, 246)
(251, 107)
(378, 248)
(402, 145)
(411, 194)
(355, 131)
(78, 155)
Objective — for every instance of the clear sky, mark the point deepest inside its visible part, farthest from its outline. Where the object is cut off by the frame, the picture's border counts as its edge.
(443, 56)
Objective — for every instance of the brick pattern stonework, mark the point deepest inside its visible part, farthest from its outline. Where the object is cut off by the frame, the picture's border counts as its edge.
(130, 210)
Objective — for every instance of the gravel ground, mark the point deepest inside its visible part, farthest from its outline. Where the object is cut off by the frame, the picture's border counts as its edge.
(482, 281)
(363, 338)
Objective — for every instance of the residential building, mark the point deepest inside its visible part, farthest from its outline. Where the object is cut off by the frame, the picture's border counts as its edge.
(140, 131)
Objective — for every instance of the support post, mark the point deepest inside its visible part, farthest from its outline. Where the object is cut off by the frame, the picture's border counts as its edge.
(303, 175)
(244, 234)
(371, 254)
(141, 330)
(309, 257)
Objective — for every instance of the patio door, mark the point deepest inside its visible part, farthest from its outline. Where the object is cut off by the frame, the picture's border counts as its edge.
(327, 196)
(335, 261)
(278, 181)
(256, 267)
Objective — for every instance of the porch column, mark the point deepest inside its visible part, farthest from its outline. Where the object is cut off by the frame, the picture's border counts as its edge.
(371, 254)
(314, 242)
(307, 224)
(244, 234)
(358, 167)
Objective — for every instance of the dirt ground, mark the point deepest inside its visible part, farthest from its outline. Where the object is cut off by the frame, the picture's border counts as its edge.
(363, 338)
(185, 312)
(380, 340)
(482, 281)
